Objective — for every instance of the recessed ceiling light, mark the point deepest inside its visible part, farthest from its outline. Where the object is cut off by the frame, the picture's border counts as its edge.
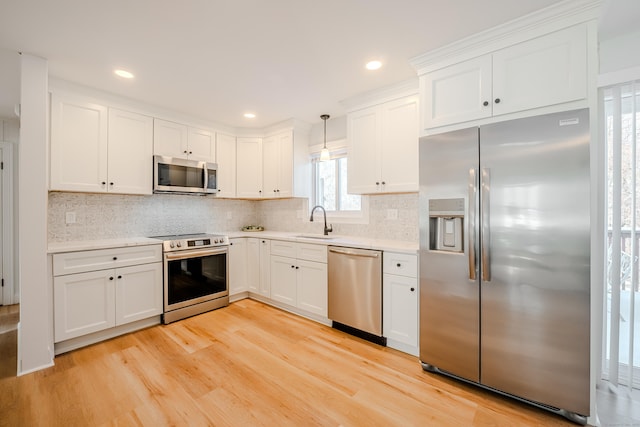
(124, 74)
(250, 115)
(373, 65)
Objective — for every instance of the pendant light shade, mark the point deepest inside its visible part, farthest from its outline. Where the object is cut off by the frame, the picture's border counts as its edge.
(324, 154)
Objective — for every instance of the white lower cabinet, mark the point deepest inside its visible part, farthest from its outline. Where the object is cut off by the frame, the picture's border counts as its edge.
(400, 302)
(238, 266)
(94, 299)
(299, 276)
(258, 266)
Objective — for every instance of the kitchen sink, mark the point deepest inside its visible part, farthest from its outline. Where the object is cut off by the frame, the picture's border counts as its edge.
(315, 236)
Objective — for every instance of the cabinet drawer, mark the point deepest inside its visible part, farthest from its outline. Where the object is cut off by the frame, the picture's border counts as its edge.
(400, 264)
(282, 248)
(309, 252)
(101, 259)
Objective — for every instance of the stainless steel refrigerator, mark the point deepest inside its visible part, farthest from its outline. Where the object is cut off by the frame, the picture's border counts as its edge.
(504, 258)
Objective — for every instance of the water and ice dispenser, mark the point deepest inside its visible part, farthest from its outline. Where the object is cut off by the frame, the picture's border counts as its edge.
(446, 220)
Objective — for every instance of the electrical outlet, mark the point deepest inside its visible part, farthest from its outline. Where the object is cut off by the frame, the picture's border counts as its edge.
(70, 218)
(392, 213)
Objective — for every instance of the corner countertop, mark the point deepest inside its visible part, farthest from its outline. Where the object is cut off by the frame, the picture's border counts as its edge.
(332, 240)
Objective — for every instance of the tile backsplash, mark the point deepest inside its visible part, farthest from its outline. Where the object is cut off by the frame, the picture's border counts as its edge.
(104, 216)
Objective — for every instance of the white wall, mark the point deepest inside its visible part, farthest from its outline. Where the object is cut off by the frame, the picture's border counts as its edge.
(336, 129)
(35, 335)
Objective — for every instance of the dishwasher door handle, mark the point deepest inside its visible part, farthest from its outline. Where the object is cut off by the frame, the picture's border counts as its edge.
(368, 254)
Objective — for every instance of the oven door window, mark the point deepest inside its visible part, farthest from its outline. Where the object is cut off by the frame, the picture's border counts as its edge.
(196, 277)
(180, 176)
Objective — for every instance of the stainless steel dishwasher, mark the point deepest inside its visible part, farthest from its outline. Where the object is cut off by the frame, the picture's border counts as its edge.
(355, 292)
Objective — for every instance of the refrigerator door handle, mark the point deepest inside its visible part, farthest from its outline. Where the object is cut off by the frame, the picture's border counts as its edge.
(485, 237)
(471, 222)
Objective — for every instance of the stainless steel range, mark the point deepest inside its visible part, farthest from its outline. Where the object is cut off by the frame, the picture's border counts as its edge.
(195, 274)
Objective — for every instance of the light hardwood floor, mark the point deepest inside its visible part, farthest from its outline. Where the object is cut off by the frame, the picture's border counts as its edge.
(248, 365)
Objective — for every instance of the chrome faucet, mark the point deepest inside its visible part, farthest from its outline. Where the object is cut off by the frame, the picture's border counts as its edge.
(326, 229)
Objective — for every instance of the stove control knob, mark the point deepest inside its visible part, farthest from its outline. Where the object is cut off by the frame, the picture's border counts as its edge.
(172, 245)
(178, 244)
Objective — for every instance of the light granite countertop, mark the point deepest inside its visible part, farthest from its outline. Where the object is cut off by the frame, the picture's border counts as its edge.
(331, 240)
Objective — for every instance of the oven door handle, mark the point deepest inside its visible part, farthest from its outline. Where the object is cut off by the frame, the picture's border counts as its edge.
(193, 254)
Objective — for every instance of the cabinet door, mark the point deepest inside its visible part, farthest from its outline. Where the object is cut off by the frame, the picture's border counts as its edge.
(285, 164)
(544, 71)
(249, 167)
(283, 279)
(130, 153)
(399, 145)
(271, 166)
(400, 315)
(457, 93)
(363, 136)
(312, 287)
(169, 139)
(253, 265)
(202, 145)
(138, 292)
(238, 266)
(265, 268)
(84, 303)
(226, 159)
(78, 144)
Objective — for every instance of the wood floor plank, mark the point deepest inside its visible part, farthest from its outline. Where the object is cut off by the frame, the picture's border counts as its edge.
(250, 364)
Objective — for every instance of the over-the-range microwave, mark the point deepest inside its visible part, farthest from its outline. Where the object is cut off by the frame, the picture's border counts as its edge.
(184, 176)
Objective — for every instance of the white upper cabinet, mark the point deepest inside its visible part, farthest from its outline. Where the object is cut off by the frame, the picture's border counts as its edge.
(182, 141)
(541, 72)
(226, 159)
(99, 149)
(249, 168)
(383, 147)
(276, 166)
(277, 154)
(130, 152)
(78, 144)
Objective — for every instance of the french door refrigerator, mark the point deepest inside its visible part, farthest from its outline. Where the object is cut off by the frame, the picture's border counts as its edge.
(504, 258)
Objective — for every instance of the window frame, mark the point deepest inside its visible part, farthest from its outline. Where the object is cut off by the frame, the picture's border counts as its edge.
(337, 151)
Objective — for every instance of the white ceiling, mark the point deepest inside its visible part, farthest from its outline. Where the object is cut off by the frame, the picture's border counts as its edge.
(215, 59)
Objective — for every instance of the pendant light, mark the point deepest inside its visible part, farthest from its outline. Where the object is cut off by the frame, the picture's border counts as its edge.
(324, 154)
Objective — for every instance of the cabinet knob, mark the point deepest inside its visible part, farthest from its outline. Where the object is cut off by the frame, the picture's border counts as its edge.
(275, 191)
(297, 267)
(413, 289)
(293, 266)
(119, 277)
(497, 101)
(115, 258)
(111, 183)
(104, 183)
(377, 183)
(398, 265)
(383, 183)
(185, 151)
(111, 278)
(485, 103)
(278, 191)
(230, 243)
(190, 152)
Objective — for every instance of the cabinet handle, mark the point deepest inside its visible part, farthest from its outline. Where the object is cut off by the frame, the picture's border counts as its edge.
(119, 277)
(485, 103)
(264, 241)
(115, 258)
(275, 191)
(278, 191)
(383, 183)
(293, 266)
(185, 151)
(111, 183)
(190, 152)
(104, 183)
(297, 267)
(111, 278)
(413, 289)
(377, 183)
(230, 243)
(497, 101)
(398, 265)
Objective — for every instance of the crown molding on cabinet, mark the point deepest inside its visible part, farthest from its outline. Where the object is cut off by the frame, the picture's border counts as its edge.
(381, 95)
(544, 21)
